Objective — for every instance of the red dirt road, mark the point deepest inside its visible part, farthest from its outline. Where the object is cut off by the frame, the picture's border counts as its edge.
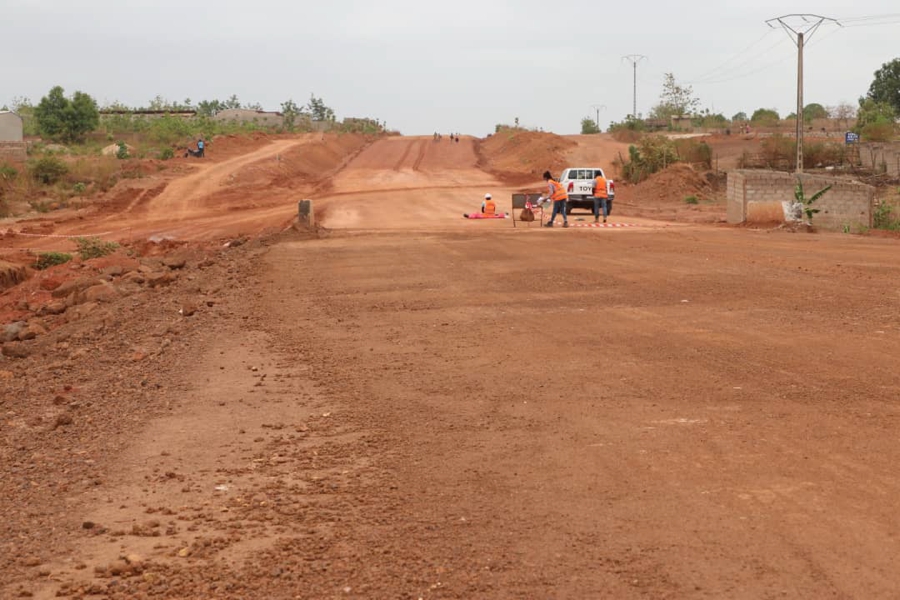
(416, 406)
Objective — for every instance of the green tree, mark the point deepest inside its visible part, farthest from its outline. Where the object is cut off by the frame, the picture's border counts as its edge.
(872, 111)
(708, 119)
(630, 123)
(161, 103)
(675, 100)
(232, 102)
(318, 109)
(589, 126)
(885, 87)
(209, 108)
(875, 121)
(814, 111)
(24, 108)
(741, 116)
(291, 111)
(83, 116)
(50, 113)
(65, 119)
(765, 116)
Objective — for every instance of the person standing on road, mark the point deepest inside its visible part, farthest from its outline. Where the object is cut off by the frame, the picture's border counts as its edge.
(601, 198)
(200, 148)
(558, 195)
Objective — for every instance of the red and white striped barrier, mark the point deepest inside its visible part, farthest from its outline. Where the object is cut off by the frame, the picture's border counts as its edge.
(51, 235)
(603, 224)
(571, 224)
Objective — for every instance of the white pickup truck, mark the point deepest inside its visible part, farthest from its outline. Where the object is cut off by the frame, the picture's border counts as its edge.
(579, 184)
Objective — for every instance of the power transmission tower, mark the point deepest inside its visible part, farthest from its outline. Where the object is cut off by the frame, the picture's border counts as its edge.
(598, 107)
(804, 26)
(634, 59)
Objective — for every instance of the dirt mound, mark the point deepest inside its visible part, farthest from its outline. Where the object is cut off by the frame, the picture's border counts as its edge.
(678, 193)
(517, 156)
(315, 162)
(674, 185)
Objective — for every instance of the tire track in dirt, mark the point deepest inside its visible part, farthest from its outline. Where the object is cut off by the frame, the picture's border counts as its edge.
(402, 161)
(423, 150)
(175, 203)
(406, 183)
(327, 178)
(145, 197)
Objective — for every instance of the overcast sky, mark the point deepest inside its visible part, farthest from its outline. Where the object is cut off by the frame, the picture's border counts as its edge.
(459, 65)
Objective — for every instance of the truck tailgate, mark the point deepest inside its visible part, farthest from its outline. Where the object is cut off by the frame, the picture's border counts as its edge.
(582, 188)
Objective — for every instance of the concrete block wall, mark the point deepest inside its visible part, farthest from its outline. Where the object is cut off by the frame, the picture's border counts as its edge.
(13, 152)
(757, 197)
(735, 205)
(878, 156)
(266, 119)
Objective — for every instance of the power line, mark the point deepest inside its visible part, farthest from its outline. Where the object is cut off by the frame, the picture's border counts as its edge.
(746, 74)
(777, 44)
(851, 26)
(768, 66)
(712, 73)
(869, 18)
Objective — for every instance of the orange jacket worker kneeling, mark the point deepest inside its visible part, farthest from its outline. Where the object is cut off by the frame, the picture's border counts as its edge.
(489, 207)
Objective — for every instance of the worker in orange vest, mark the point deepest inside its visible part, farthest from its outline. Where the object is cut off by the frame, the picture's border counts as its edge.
(488, 207)
(558, 195)
(601, 198)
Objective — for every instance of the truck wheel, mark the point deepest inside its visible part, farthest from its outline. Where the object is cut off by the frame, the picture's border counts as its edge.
(569, 208)
(609, 204)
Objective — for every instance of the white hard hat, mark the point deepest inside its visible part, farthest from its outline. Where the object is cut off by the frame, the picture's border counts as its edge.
(487, 196)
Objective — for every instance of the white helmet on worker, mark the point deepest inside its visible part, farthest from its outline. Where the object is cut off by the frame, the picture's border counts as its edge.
(487, 196)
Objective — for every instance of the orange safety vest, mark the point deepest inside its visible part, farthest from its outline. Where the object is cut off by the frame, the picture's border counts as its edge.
(559, 193)
(600, 189)
(490, 207)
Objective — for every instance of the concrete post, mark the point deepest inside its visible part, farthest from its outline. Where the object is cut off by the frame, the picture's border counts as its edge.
(306, 214)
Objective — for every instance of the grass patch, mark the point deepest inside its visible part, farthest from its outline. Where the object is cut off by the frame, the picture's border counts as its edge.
(92, 247)
(46, 260)
(48, 170)
(884, 218)
(691, 200)
(98, 174)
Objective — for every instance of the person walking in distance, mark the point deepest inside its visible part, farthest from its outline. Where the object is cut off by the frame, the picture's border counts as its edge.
(558, 195)
(601, 198)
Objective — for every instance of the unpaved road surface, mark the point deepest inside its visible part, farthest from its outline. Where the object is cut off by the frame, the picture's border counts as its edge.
(466, 410)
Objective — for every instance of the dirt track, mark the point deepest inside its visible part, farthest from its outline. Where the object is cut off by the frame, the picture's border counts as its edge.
(418, 406)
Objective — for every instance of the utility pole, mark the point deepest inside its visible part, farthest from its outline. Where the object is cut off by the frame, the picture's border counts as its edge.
(598, 107)
(804, 26)
(634, 59)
